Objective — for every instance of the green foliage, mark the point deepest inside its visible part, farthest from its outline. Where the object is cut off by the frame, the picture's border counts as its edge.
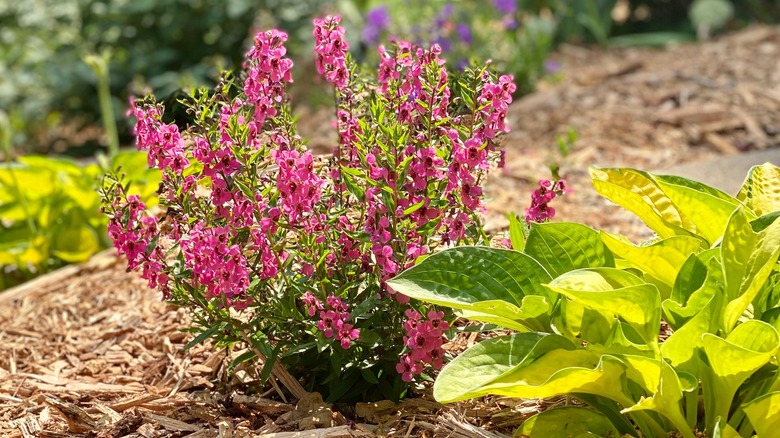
(50, 212)
(712, 275)
(469, 33)
(161, 45)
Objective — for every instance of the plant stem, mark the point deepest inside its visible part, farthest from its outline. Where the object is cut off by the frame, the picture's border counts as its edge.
(100, 65)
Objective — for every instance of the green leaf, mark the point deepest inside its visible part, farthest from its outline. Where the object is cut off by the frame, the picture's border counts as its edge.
(479, 279)
(681, 347)
(739, 240)
(733, 360)
(663, 259)
(562, 247)
(693, 290)
(560, 372)
(55, 164)
(483, 363)
(764, 221)
(414, 207)
(764, 414)
(761, 190)
(534, 314)
(516, 232)
(723, 430)
(707, 213)
(617, 292)
(204, 335)
(760, 264)
(566, 422)
(665, 399)
(74, 243)
(577, 320)
(637, 192)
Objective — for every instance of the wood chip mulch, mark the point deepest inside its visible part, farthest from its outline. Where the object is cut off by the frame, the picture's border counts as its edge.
(90, 351)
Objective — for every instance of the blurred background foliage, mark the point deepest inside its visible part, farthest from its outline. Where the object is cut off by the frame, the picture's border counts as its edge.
(49, 100)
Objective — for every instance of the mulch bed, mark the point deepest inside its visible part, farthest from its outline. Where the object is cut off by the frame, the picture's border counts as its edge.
(90, 351)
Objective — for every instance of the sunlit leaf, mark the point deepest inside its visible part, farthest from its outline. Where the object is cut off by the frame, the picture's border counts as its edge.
(707, 213)
(562, 247)
(637, 192)
(615, 291)
(566, 422)
(761, 190)
(764, 414)
(733, 360)
(481, 364)
(761, 262)
(662, 259)
(479, 279)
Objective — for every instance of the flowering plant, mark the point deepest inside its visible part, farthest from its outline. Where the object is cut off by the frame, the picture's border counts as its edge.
(290, 253)
(514, 41)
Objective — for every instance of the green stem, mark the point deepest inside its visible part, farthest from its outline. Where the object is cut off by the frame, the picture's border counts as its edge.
(100, 65)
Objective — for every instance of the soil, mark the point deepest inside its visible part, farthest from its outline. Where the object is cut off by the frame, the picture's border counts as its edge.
(90, 351)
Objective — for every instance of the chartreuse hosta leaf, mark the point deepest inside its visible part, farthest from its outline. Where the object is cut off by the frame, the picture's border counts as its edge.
(562, 247)
(662, 259)
(567, 422)
(680, 348)
(707, 212)
(739, 240)
(637, 192)
(483, 280)
(764, 414)
(617, 292)
(761, 190)
(760, 263)
(698, 279)
(557, 372)
(534, 312)
(576, 320)
(667, 394)
(733, 360)
(485, 362)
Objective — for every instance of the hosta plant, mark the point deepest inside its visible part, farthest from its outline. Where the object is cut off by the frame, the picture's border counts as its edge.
(290, 253)
(50, 211)
(676, 334)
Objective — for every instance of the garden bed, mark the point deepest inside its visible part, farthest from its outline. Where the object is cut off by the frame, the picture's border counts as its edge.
(90, 350)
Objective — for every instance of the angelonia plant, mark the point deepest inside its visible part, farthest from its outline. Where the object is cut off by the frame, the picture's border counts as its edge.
(291, 253)
(677, 335)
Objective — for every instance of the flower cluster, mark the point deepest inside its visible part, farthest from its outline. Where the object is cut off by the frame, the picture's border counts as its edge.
(424, 338)
(331, 48)
(269, 71)
(258, 225)
(133, 230)
(162, 141)
(540, 211)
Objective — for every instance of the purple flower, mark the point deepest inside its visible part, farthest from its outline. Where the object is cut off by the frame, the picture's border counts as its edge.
(552, 66)
(377, 20)
(464, 33)
(443, 42)
(506, 6)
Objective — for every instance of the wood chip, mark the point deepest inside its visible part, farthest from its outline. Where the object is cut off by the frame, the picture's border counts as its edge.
(172, 424)
(724, 146)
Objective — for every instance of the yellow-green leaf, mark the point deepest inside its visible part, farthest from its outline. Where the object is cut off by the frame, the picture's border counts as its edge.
(764, 414)
(733, 360)
(761, 262)
(466, 376)
(761, 190)
(662, 259)
(637, 192)
(617, 292)
(567, 422)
